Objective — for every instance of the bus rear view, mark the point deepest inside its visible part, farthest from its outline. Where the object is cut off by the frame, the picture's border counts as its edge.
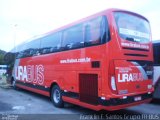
(131, 66)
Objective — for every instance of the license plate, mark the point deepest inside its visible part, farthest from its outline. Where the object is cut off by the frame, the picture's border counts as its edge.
(138, 98)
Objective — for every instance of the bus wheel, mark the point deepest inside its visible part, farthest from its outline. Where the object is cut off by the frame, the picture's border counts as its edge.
(56, 96)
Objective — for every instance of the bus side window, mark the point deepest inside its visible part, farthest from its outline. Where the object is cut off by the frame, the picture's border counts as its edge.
(31, 48)
(87, 33)
(32, 52)
(19, 55)
(27, 53)
(92, 32)
(51, 43)
(73, 38)
(104, 31)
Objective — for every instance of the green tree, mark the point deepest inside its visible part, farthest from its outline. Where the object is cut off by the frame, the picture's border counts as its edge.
(2, 54)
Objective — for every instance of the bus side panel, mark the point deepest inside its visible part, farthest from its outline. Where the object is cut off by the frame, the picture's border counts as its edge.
(156, 82)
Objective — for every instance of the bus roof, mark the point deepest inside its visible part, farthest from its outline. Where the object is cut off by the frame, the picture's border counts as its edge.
(74, 23)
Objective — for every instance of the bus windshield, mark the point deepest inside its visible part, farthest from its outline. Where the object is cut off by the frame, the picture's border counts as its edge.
(132, 28)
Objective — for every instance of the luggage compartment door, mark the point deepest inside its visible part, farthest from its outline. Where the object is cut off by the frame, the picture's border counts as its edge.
(88, 88)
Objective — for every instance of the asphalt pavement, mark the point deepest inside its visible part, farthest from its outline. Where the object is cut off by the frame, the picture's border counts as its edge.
(22, 104)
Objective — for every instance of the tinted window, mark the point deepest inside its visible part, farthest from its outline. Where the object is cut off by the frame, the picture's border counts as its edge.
(105, 33)
(132, 28)
(35, 44)
(32, 47)
(20, 54)
(51, 43)
(93, 32)
(29, 49)
(96, 31)
(73, 38)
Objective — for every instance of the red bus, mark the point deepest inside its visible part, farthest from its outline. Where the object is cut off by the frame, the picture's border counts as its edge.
(104, 61)
(156, 76)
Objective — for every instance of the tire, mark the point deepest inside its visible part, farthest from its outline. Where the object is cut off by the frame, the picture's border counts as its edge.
(56, 96)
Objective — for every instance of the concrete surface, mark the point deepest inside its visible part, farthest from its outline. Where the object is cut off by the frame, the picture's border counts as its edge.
(4, 83)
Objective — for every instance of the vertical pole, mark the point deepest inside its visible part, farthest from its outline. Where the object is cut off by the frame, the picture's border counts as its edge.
(15, 37)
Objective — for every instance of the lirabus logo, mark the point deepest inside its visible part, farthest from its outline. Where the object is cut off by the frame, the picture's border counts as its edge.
(30, 73)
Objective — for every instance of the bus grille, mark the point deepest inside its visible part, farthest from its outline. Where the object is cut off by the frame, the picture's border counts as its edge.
(88, 88)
